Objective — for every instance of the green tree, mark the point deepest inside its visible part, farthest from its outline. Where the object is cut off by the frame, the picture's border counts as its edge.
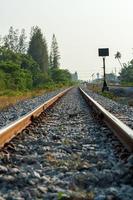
(13, 74)
(1, 41)
(21, 70)
(38, 48)
(126, 74)
(2, 80)
(15, 77)
(118, 56)
(22, 79)
(28, 63)
(60, 75)
(9, 55)
(40, 79)
(11, 40)
(54, 54)
(22, 42)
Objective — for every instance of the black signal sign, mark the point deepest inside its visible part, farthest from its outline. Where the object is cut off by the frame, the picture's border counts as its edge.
(103, 52)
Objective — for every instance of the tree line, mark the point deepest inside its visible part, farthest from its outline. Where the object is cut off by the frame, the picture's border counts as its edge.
(26, 65)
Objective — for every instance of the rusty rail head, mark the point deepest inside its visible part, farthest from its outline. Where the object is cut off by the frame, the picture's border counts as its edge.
(11, 130)
(122, 131)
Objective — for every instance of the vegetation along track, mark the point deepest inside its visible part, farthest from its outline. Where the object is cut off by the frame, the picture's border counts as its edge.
(65, 154)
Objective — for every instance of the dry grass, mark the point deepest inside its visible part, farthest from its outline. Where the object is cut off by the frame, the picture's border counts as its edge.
(6, 100)
(94, 87)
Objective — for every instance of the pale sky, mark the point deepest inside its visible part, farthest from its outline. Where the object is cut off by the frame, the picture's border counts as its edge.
(80, 26)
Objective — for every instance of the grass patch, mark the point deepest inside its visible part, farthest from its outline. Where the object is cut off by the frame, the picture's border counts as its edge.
(108, 95)
(98, 89)
(10, 97)
(125, 84)
(94, 87)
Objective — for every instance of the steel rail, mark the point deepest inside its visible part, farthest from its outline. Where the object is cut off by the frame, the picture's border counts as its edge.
(10, 131)
(122, 131)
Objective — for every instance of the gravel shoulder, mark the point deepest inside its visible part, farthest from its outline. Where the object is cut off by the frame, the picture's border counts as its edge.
(122, 112)
(65, 154)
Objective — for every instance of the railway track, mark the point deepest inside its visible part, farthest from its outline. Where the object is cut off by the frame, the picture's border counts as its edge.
(65, 154)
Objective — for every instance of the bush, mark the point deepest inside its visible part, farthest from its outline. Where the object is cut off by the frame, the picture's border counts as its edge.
(2, 80)
(40, 79)
(126, 74)
(61, 76)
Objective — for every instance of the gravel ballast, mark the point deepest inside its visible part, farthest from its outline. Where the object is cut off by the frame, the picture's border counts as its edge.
(122, 112)
(65, 154)
(16, 111)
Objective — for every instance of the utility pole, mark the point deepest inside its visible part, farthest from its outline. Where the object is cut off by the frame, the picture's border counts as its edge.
(105, 87)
